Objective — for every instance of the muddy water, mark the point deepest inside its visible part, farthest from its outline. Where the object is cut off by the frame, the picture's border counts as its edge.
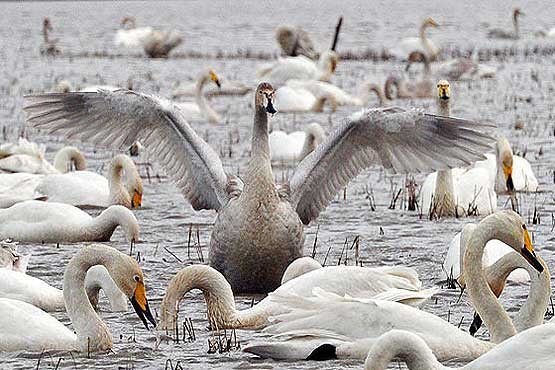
(523, 91)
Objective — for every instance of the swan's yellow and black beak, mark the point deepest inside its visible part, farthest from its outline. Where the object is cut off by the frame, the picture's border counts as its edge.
(443, 90)
(528, 252)
(215, 79)
(508, 172)
(137, 199)
(269, 105)
(140, 304)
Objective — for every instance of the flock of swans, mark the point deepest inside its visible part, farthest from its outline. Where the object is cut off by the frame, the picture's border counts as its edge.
(311, 312)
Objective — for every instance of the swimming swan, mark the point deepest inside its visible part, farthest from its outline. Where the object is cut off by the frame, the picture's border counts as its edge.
(456, 192)
(28, 328)
(258, 231)
(200, 110)
(421, 43)
(498, 33)
(22, 287)
(296, 145)
(529, 350)
(393, 283)
(350, 326)
(44, 222)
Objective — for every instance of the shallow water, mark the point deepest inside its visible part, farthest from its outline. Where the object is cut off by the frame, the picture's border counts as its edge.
(523, 91)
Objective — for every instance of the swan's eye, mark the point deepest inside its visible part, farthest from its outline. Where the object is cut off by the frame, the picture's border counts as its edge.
(137, 278)
(524, 227)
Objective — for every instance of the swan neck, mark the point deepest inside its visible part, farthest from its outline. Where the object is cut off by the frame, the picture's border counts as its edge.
(485, 302)
(444, 107)
(259, 173)
(532, 312)
(102, 227)
(389, 83)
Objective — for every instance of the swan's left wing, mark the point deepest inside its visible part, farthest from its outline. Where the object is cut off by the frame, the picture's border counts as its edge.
(398, 139)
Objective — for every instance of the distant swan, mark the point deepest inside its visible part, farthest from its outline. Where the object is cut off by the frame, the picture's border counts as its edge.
(290, 99)
(417, 89)
(296, 145)
(35, 221)
(28, 328)
(156, 44)
(200, 110)
(498, 33)
(226, 88)
(49, 46)
(22, 287)
(394, 283)
(421, 43)
(252, 251)
(464, 69)
(294, 41)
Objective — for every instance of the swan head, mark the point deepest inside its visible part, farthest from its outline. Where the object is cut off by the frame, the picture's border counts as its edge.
(68, 157)
(429, 22)
(264, 97)
(214, 78)
(443, 90)
(505, 161)
(516, 13)
(286, 38)
(130, 280)
(46, 24)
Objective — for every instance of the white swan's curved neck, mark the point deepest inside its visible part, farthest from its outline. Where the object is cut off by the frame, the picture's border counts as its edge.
(92, 333)
(444, 203)
(201, 101)
(425, 41)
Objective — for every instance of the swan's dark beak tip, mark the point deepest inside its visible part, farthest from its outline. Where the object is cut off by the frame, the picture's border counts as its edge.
(219, 84)
(510, 184)
(144, 314)
(531, 258)
(270, 108)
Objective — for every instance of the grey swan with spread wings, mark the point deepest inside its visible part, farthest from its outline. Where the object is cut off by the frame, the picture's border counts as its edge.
(258, 231)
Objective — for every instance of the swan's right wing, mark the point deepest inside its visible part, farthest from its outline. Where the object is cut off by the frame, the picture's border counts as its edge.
(121, 117)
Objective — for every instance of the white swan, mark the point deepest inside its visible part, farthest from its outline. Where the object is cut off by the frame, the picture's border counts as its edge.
(529, 350)
(393, 283)
(508, 172)
(28, 328)
(421, 43)
(258, 218)
(464, 69)
(331, 326)
(456, 192)
(200, 110)
(22, 287)
(227, 88)
(299, 68)
(156, 44)
(28, 157)
(291, 99)
(10, 258)
(299, 267)
(498, 33)
(296, 145)
(35, 221)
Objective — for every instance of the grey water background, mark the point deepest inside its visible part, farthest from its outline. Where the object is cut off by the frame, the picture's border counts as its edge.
(522, 91)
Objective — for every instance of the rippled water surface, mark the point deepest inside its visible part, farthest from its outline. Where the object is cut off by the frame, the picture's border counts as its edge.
(523, 91)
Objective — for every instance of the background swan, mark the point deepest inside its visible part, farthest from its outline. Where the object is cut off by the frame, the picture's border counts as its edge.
(48, 46)
(155, 43)
(290, 99)
(22, 287)
(411, 89)
(10, 258)
(200, 110)
(529, 350)
(226, 88)
(464, 69)
(294, 41)
(252, 251)
(456, 192)
(296, 145)
(35, 221)
(499, 33)
(393, 283)
(299, 68)
(28, 328)
(421, 43)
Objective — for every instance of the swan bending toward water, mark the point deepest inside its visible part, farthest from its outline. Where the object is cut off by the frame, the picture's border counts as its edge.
(28, 328)
(498, 33)
(291, 99)
(297, 145)
(22, 287)
(156, 44)
(393, 283)
(456, 192)
(258, 231)
(28, 157)
(529, 350)
(200, 110)
(299, 68)
(332, 326)
(421, 43)
(226, 88)
(44, 222)
(294, 41)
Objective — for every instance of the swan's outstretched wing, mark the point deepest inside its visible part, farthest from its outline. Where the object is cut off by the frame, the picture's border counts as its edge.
(121, 117)
(400, 140)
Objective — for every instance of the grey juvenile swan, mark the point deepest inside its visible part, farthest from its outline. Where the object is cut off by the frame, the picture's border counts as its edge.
(258, 231)
(499, 33)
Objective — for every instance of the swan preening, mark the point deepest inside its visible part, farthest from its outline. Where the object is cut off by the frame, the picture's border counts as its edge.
(258, 231)
(398, 284)
(18, 286)
(28, 328)
(200, 110)
(421, 43)
(294, 41)
(498, 33)
(296, 145)
(45, 222)
(155, 43)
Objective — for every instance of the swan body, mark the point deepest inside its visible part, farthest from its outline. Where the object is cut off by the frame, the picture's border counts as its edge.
(498, 33)
(28, 328)
(200, 110)
(294, 99)
(421, 44)
(258, 229)
(132, 38)
(299, 68)
(529, 350)
(464, 69)
(392, 283)
(35, 221)
(155, 43)
(296, 145)
(22, 287)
